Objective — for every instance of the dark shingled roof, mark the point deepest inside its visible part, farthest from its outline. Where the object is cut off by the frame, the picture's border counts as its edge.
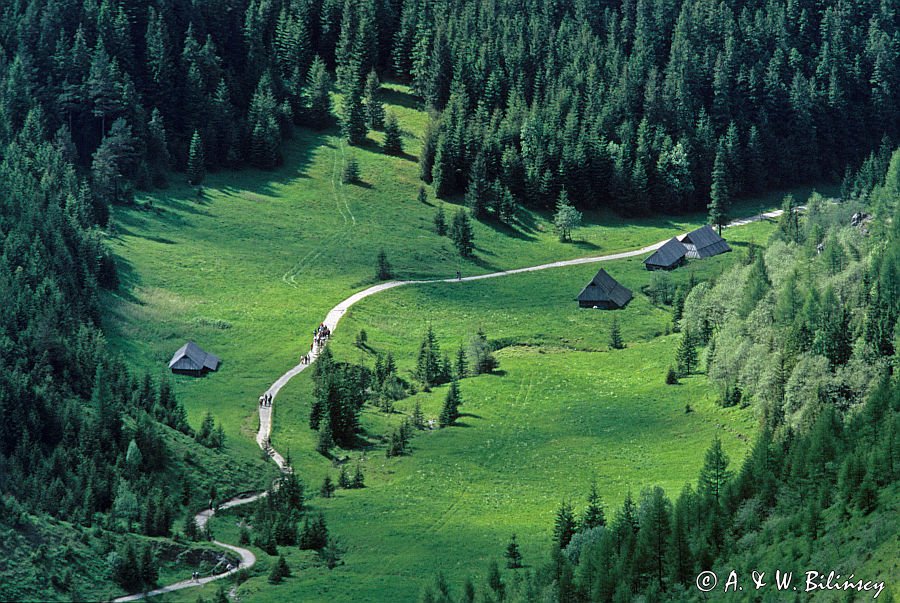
(667, 255)
(191, 357)
(603, 288)
(706, 242)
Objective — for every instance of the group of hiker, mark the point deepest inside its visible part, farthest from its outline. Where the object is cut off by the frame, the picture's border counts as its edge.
(320, 335)
(265, 400)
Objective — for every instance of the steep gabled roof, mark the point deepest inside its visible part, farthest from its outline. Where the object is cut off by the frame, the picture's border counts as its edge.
(706, 242)
(191, 357)
(667, 255)
(603, 288)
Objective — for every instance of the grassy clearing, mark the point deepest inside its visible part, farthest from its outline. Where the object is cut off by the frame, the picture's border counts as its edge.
(249, 271)
(563, 410)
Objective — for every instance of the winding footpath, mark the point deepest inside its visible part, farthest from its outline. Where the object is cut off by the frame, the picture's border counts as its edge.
(248, 559)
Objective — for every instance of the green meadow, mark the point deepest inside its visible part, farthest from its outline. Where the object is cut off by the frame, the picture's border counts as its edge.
(251, 268)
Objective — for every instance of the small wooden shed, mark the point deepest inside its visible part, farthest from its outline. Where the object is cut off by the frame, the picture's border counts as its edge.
(604, 292)
(668, 257)
(191, 359)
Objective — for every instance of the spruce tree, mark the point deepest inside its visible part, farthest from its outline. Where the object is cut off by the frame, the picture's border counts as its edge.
(393, 137)
(462, 364)
(564, 525)
(450, 410)
(196, 169)
(686, 357)
(280, 571)
(461, 233)
(593, 516)
(720, 195)
(440, 220)
(382, 267)
(477, 192)
(344, 480)
(353, 118)
(418, 417)
(327, 489)
(615, 335)
(374, 109)
(714, 474)
(317, 92)
(359, 480)
(513, 555)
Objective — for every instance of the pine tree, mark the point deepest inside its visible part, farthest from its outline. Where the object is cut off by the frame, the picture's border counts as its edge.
(353, 118)
(374, 108)
(671, 376)
(461, 233)
(564, 525)
(280, 571)
(462, 364)
(317, 93)
(615, 335)
(714, 474)
(686, 357)
(720, 194)
(422, 197)
(325, 441)
(327, 489)
(393, 137)
(359, 480)
(382, 267)
(513, 555)
(418, 417)
(593, 516)
(440, 220)
(477, 192)
(344, 481)
(450, 410)
(196, 160)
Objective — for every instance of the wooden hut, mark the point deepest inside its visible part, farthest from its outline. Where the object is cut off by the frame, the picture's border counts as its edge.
(604, 292)
(668, 257)
(191, 359)
(704, 243)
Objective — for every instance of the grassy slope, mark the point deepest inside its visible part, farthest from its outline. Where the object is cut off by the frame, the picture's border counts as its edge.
(267, 254)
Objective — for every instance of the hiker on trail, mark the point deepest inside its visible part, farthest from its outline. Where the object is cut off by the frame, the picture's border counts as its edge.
(458, 275)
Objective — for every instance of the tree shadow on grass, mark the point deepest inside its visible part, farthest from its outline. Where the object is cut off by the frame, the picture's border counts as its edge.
(509, 230)
(403, 99)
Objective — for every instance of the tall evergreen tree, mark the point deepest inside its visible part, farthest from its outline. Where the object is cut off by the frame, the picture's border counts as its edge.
(393, 138)
(720, 194)
(196, 160)
(461, 234)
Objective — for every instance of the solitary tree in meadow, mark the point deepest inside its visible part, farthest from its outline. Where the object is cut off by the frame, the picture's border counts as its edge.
(383, 267)
(513, 555)
(440, 220)
(566, 217)
(393, 138)
(615, 335)
(461, 233)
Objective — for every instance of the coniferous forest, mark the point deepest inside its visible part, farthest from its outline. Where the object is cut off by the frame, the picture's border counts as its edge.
(637, 107)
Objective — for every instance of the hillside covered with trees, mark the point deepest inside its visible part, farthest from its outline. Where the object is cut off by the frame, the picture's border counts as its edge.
(642, 106)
